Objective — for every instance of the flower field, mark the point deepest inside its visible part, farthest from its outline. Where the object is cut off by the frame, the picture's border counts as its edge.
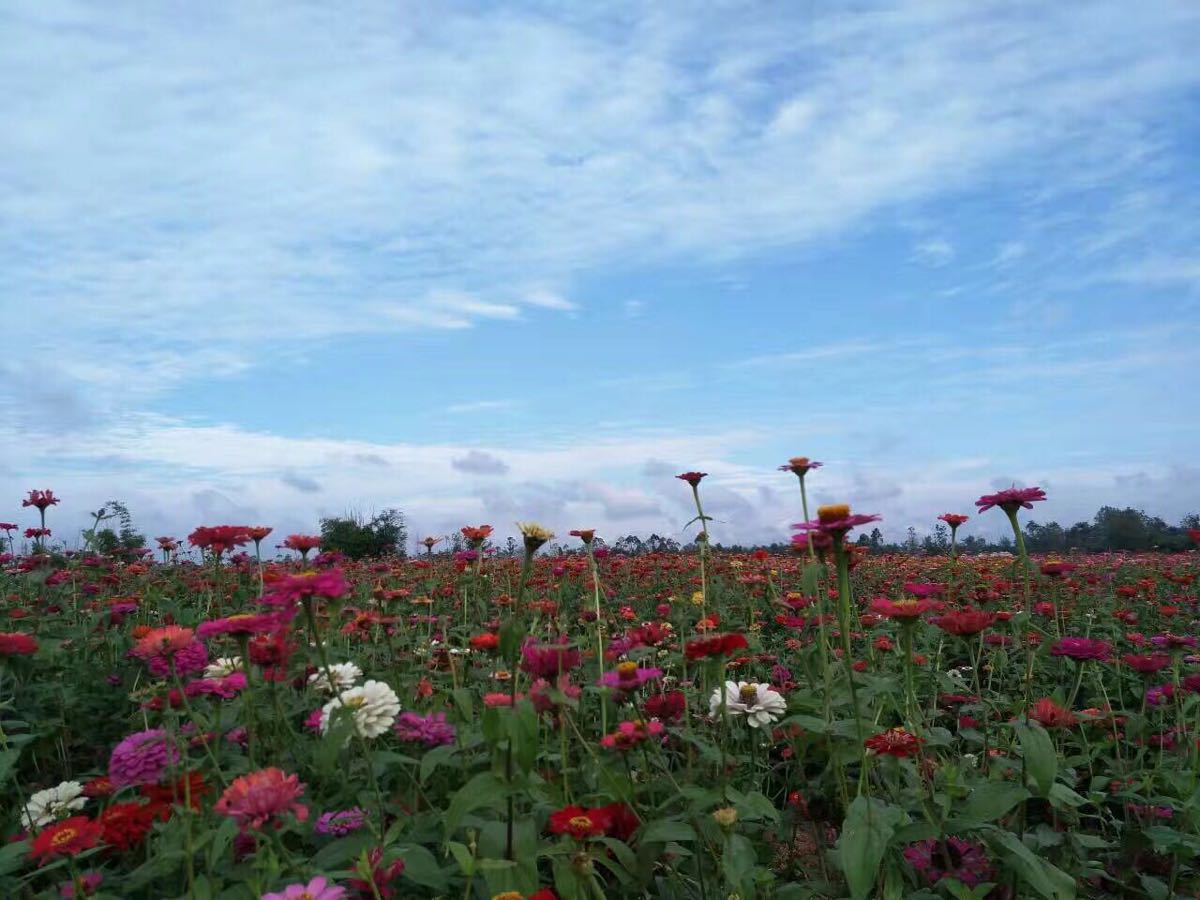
(822, 724)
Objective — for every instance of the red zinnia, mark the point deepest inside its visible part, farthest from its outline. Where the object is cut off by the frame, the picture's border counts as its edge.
(15, 643)
(895, 742)
(40, 499)
(1146, 664)
(800, 465)
(302, 543)
(1051, 715)
(953, 519)
(1012, 499)
(66, 838)
(717, 645)
(907, 610)
(580, 823)
(692, 478)
(964, 622)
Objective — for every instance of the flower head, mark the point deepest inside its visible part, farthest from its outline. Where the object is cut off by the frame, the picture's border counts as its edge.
(628, 676)
(1011, 499)
(800, 465)
(66, 838)
(580, 823)
(1051, 715)
(302, 543)
(692, 478)
(340, 823)
(964, 622)
(716, 645)
(320, 888)
(835, 520)
(548, 660)
(53, 803)
(907, 610)
(1079, 648)
(953, 519)
(253, 800)
(374, 706)
(953, 858)
(432, 730)
(40, 499)
(534, 534)
(757, 702)
(344, 676)
(16, 643)
(141, 758)
(894, 742)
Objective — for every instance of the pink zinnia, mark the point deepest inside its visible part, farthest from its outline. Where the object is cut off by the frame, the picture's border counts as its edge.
(243, 623)
(302, 543)
(835, 520)
(548, 660)
(1012, 499)
(40, 499)
(320, 888)
(253, 800)
(227, 686)
(171, 649)
(953, 519)
(330, 584)
(629, 677)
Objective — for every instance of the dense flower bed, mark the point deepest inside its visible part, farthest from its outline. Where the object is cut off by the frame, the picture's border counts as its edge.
(823, 724)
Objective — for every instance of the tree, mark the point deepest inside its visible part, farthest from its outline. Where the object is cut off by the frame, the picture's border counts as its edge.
(109, 540)
(385, 534)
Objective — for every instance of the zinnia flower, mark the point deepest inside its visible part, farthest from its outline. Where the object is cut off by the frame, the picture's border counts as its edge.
(894, 742)
(15, 643)
(53, 803)
(580, 823)
(906, 610)
(953, 519)
(1012, 499)
(628, 676)
(631, 733)
(320, 888)
(1079, 648)
(692, 478)
(69, 837)
(1051, 715)
(953, 858)
(40, 499)
(374, 706)
(835, 520)
(964, 622)
(757, 702)
(534, 534)
(171, 649)
(800, 465)
(432, 730)
(344, 675)
(253, 800)
(141, 758)
(547, 660)
(340, 823)
(1146, 664)
(717, 645)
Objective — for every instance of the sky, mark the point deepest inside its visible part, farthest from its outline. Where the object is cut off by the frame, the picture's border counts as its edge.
(263, 262)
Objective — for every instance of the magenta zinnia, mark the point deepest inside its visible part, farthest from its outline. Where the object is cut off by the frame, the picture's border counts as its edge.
(1012, 499)
(141, 758)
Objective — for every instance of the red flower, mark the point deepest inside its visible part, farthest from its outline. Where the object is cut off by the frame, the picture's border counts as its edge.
(1051, 715)
(124, 826)
(668, 707)
(477, 534)
(692, 478)
(1012, 499)
(581, 823)
(219, 538)
(40, 499)
(835, 520)
(717, 645)
(66, 838)
(895, 742)
(302, 543)
(953, 519)
(964, 622)
(1146, 664)
(15, 643)
(258, 532)
(485, 641)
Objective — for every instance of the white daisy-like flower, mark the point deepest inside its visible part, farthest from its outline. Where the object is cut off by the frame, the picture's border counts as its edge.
(375, 707)
(53, 804)
(223, 666)
(344, 676)
(757, 702)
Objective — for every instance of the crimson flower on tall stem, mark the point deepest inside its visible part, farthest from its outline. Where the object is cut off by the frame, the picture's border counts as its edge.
(302, 544)
(800, 466)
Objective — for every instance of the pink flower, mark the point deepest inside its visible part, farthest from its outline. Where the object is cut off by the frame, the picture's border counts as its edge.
(835, 520)
(243, 623)
(1012, 499)
(692, 478)
(953, 519)
(255, 799)
(320, 888)
(330, 584)
(302, 543)
(40, 499)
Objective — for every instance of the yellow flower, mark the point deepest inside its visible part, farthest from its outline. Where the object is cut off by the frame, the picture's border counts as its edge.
(698, 598)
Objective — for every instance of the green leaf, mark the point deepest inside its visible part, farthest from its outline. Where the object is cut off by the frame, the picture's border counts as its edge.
(462, 855)
(13, 856)
(738, 860)
(1061, 795)
(868, 828)
(342, 851)
(993, 799)
(663, 830)
(810, 579)
(485, 789)
(438, 756)
(1041, 761)
(421, 866)
(1047, 879)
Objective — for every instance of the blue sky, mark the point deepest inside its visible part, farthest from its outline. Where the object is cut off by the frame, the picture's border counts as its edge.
(267, 261)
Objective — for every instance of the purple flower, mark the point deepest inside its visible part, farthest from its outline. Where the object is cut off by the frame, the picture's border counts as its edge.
(320, 888)
(432, 730)
(141, 758)
(1079, 648)
(226, 686)
(953, 858)
(340, 822)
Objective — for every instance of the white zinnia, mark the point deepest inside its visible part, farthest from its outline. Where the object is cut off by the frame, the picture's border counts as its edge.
(344, 675)
(52, 804)
(223, 666)
(757, 702)
(375, 707)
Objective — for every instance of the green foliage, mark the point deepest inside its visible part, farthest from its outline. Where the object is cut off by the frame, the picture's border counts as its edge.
(384, 534)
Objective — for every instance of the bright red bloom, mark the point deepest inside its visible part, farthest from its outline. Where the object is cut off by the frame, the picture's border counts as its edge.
(258, 532)
(692, 478)
(964, 622)
(1079, 648)
(486, 641)
(243, 623)
(953, 519)
(66, 838)
(1012, 499)
(124, 826)
(15, 643)
(219, 538)
(40, 499)
(1056, 569)
(668, 707)
(717, 645)
(302, 543)
(895, 742)
(1051, 715)
(580, 823)
(289, 589)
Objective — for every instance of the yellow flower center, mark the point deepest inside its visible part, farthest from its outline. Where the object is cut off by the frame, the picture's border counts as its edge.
(582, 823)
(749, 692)
(627, 669)
(833, 512)
(63, 837)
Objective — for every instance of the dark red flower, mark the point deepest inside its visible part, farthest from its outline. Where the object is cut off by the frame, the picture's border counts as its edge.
(580, 823)
(40, 499)
(894, 742)
(953, 519)
(717, 645)
(1011, 499)
(964, 622)
(69, 837)
(692, 478)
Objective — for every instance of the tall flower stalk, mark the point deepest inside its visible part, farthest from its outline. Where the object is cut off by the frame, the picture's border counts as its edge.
(800, 466)
(694, 479)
